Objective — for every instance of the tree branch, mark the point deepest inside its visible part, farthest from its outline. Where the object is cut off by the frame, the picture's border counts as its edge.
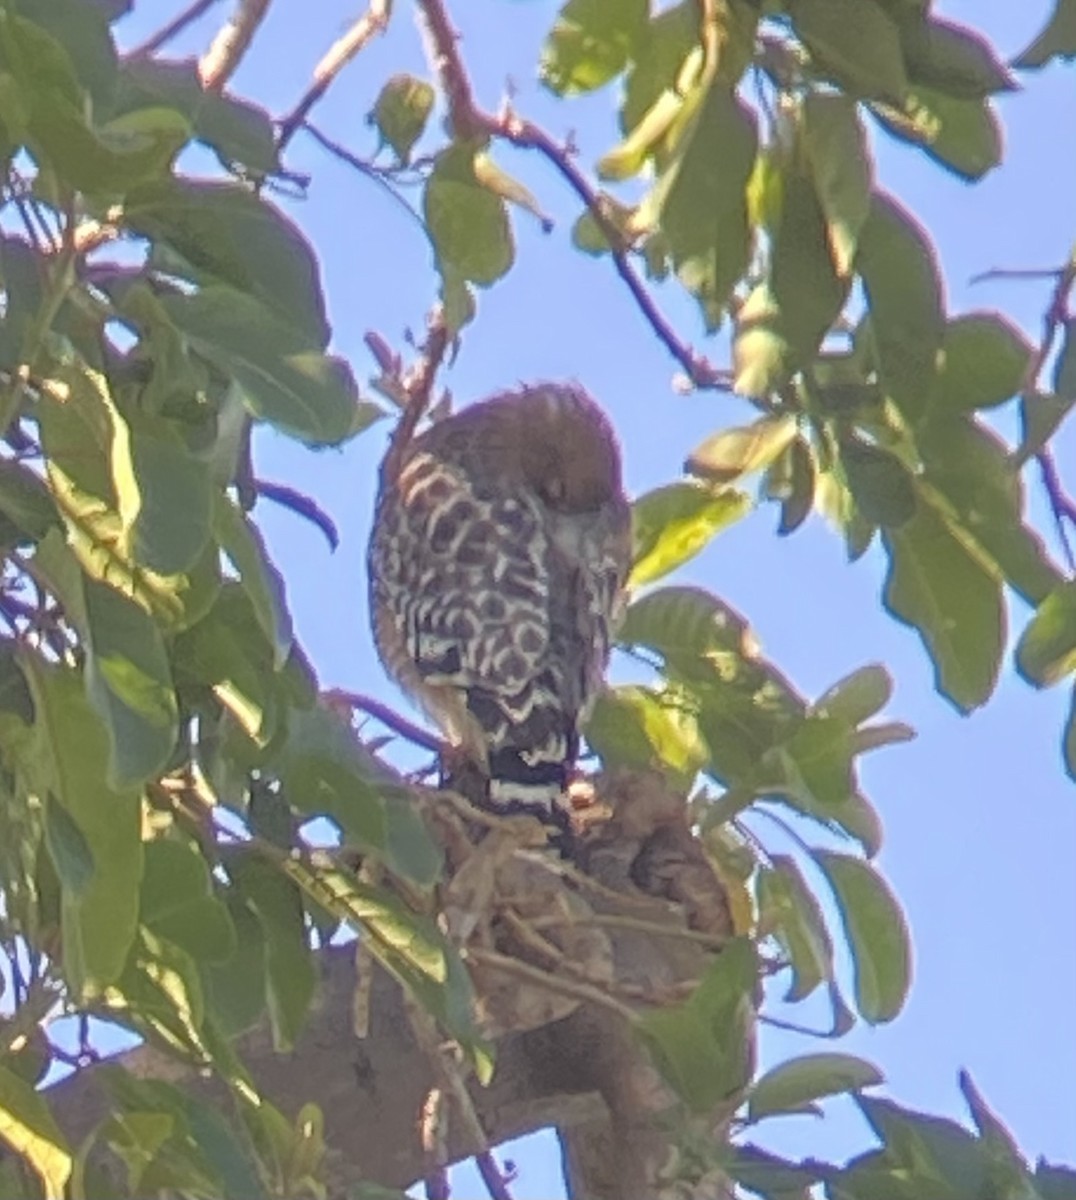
(174, 27)
(468, 121)
(374, 21)
(226, 51)
(1055, 316)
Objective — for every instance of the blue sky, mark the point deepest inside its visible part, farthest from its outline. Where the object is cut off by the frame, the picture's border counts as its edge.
(980, 819)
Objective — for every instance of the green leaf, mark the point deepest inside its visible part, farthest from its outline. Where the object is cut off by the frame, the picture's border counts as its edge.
(962, 135)
(803, 278)
(766, 1174)
(795, 1084)
(879, 483)
(877, 935)
(206, 1156)
(971, 468)
(927, 1155)
(1057, 39)
(69, 849)
(311, 395)
(671, 524)
(727, 455)
(91, 474)
(793, 480)
(325, 769)
(941, 586)
(28, 1127)
(700, 199)
(1046, 652)
(15, 694)
(112, 159)
(840, 166)
(1053, 1182)
(240, 540)
(226, 234)
(763, 356)
(662, 47)
(178, 904)
(639, 727)
(1041, 415)
(72, 760)
(857, 697)
(289, 971)
(236, 130)
(857, 41)
(684, 624)
(703, 1046)
(1008, 1169)
(236, 987)
(401, 111)
(789, 909)
(900, 276)
(983, 364)
(26, 501)
(129, 682)
(467, 223)
(410, 947)
(590, 43)
(171, 529)
(83, 32)
(954, 59)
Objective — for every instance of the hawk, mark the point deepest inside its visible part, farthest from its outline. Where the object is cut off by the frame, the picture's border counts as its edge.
(497, 564)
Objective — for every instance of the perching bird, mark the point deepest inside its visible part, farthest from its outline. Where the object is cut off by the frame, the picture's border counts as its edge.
(497, 563)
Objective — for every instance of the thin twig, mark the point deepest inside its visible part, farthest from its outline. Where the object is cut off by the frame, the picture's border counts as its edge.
(388, 717)
(1054, 318)
(363, 167)
(712, 941)
(417, 386)
(1061, 504)
(222, 59)
(468, 121)
(374, 21)
(495, 1180)
(302, 505)
(553, 983)
(1016, 273)
(174, 27)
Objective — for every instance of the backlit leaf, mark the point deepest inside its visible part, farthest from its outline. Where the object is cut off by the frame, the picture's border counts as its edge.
(671, 524)
(400, 112)
(1046, 652)
(727, 455)
(791, 1085)
(840, 166)
(589, 44)
(877, 935)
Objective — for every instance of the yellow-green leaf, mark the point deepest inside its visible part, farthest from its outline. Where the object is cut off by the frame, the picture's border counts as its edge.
(28, 1127)
(728, 455)
(671, 524)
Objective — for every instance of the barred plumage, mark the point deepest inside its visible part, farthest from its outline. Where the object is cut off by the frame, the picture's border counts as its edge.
(497, 566)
